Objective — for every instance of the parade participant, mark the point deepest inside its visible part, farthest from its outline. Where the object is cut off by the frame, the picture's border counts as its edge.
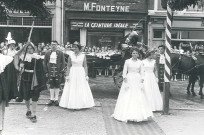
(11, 48)
(54, 64)
(12, 70)
(32, 79)
(77, 93)
(39, 49)
(160, 61)
(131, 103)
(4, 93)
(151, 87)
(134, 38)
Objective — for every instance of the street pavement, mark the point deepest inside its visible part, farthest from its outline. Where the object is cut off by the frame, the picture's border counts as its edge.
(186, 114)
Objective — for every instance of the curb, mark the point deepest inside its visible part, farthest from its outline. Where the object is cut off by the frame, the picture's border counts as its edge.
(187, 109)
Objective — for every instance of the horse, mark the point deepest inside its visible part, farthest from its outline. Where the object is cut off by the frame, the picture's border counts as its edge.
(187, 65)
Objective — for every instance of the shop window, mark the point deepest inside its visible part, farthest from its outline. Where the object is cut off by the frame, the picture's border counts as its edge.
(103, 39)
(158, 33)
(174, 34)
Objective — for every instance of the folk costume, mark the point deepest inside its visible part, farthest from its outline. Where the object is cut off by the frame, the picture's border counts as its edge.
(4, 92)
(54, 64)
(30, 83)
(32, 80)
(160, 61)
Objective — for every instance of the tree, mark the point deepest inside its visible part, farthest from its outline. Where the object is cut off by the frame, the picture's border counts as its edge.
(34, 7)
(179, 4)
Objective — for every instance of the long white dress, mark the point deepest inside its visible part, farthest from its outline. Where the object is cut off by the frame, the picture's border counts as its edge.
(131, 103)
(77, 93)
(151, 87)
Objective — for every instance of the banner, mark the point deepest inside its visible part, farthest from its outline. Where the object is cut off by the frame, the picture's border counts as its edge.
(118, 25)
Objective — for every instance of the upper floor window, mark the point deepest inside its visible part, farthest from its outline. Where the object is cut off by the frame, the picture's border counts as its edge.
(158, 33)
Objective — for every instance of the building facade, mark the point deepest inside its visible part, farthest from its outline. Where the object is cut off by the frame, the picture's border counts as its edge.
(103, 23)
(188, 25)
(19, 25)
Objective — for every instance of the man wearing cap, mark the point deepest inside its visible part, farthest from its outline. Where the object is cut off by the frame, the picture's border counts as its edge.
(54, 64)
(160, 61)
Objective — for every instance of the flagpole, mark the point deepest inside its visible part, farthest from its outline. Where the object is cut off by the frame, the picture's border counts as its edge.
(167, 66)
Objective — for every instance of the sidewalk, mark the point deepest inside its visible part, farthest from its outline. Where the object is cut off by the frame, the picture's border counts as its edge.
(54, 121)
(183, 118)
(58, 121)
(181, 122)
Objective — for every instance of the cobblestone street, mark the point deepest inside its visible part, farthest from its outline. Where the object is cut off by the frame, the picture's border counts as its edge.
(57, 121)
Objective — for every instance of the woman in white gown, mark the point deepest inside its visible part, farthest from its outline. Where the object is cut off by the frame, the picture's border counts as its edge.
(77, 93)
(131, 103)
(151, 87)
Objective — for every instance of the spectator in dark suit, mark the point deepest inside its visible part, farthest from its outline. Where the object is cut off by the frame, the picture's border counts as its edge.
(160, 61)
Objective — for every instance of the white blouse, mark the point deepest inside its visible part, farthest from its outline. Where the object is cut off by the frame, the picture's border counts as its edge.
(53, 58)
(131, 66)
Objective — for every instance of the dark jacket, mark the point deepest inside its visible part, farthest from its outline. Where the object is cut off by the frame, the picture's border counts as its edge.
(4, 94)
(60, 62)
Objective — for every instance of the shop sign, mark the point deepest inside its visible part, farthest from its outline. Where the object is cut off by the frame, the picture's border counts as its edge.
(102, 25)
(105, 8)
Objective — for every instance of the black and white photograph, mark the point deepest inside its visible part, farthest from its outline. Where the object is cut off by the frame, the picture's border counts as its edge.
(101, 67)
